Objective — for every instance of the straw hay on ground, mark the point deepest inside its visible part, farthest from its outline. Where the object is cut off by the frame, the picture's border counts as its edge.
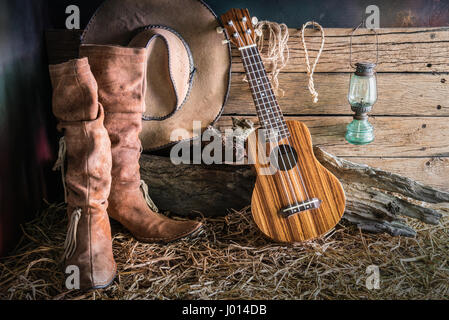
(230, 259)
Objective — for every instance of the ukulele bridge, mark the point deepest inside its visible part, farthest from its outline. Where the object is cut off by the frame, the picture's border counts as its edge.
(299, 207)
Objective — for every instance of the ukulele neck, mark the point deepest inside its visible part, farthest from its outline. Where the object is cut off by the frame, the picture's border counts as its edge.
(267, 106)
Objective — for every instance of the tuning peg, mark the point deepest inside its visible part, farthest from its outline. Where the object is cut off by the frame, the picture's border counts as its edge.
(244, 19)
(259, 33)
(219, 30)
(225, 42)
(255, 21)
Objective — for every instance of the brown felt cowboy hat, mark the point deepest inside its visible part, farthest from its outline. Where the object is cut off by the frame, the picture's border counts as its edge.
(189, 67)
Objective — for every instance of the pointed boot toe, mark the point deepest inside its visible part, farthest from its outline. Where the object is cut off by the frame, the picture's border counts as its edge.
(169, 230)
(184, 229)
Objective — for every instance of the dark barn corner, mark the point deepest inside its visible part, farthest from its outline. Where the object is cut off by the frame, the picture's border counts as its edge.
(26, 122)
(410, 147)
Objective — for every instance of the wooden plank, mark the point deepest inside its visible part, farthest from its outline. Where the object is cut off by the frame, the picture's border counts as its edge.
(400, 50)
(430, 171)
(399, 94)
(395, 136)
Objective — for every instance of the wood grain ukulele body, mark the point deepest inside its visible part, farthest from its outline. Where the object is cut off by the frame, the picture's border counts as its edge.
(275, 193)
(295, 198)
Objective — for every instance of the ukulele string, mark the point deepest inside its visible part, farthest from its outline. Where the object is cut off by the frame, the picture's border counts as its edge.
(254, 55)
(280, 116)
(299, 172)
(258, 60)
(288, 141)
(237, 35)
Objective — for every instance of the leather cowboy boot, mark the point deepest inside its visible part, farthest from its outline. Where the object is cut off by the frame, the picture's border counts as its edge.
(120, 73)
(87, 181)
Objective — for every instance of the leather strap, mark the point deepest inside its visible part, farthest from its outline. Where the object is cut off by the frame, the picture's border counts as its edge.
(170, 71)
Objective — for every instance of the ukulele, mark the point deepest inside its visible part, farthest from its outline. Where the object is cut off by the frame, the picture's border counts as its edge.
(295, 198)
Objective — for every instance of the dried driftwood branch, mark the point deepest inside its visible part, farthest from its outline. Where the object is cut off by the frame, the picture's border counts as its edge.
(376, 199)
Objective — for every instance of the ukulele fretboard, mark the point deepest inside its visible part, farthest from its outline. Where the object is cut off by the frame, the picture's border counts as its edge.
(267, 106)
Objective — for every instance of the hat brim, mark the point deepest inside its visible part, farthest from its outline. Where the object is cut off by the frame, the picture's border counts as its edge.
(116, 22)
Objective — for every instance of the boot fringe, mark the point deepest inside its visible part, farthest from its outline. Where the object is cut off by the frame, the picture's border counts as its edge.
(148, 199)
(70, 241)
(60, 164)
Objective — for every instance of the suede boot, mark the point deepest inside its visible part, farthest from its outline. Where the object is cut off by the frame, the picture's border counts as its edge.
(87, 181)
(120, 73)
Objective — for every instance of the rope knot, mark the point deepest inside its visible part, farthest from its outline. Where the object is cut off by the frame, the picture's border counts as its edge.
(311, 69)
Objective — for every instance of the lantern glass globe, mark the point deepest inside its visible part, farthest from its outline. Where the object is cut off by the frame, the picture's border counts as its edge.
(362, 91)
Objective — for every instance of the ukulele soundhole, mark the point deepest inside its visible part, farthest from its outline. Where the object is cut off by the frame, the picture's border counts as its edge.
(284, 157)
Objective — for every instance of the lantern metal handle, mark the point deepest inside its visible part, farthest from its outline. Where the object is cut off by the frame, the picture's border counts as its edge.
(350, 45)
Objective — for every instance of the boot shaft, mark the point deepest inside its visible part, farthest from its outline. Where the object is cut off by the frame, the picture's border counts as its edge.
(87, 148)
(81, 119)
(75, 91)
(120, 74)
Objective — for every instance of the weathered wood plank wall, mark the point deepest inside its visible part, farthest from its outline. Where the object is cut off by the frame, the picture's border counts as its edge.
(400, 50)
(411, 116)
(420, 94)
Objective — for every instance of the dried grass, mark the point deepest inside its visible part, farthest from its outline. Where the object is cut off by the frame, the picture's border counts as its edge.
(232, 260)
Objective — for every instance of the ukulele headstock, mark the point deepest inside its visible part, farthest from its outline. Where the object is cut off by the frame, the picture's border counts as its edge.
(239, 27)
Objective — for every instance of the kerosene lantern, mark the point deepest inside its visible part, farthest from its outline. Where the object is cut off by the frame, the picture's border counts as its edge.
(362, 96)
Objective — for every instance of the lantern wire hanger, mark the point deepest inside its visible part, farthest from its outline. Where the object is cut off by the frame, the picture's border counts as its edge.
(311, 69)
(362, 24)
(362, 96)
